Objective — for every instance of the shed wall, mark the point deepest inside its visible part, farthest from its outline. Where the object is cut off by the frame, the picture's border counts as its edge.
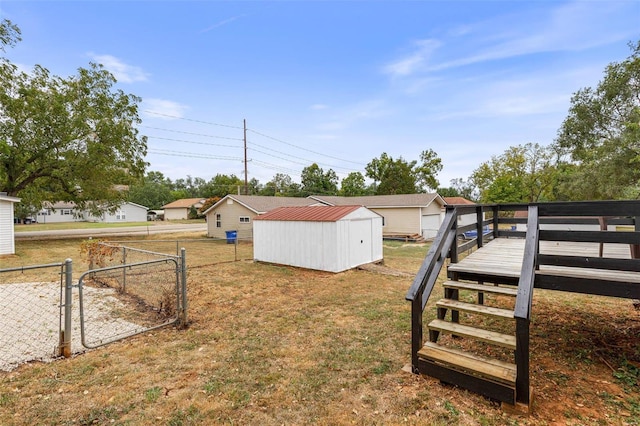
(310, 245)
(7, 245)
(329, 246)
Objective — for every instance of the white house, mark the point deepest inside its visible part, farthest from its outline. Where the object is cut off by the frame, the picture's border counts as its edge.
(326, 238)
(127, 212)
(7, 242)
(61, 212)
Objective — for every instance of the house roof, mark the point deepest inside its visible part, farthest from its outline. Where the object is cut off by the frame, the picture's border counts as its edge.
(373, 201)
(5, 197)
(262, 204)
(457, 200)
(183, 203)
(309, 213)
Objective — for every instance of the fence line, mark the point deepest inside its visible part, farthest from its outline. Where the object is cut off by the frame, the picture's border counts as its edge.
(130, 296)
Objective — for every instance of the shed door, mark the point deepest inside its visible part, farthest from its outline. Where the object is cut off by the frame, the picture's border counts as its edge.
(359, 242)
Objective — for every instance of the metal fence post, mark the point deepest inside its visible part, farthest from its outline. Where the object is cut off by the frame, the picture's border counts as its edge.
(65, 335)
(124, 270)
(183, 284)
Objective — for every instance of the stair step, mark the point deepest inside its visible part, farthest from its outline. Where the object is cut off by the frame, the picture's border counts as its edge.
(473, 308)
(499, 339)
(507, 291)
(492, 369)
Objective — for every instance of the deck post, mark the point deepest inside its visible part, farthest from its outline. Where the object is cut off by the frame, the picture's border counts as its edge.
(495, 210)
(522, 360)
(479, 226)
(416, 332)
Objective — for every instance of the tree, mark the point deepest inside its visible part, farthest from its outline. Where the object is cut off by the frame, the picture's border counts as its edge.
(280, 185)
(221, 185)
(392, 176)
(66, 139)
(602, 132)
(353, 185)
(522, 174)
(153, 191)
(316, 181)
(428, 169)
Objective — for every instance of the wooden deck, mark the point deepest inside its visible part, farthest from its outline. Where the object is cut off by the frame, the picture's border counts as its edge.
(503, 257)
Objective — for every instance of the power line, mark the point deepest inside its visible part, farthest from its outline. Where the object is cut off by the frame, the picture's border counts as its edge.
(192, 155)
(194, 142)
(191, 119)
(304, 149)
(191, 133)
(307, 161)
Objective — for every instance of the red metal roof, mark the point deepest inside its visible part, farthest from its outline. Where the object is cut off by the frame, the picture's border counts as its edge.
(309, 213)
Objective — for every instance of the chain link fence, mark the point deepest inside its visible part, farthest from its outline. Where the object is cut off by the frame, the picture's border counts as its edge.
(31, 302)
(127, 291)
(210, 251)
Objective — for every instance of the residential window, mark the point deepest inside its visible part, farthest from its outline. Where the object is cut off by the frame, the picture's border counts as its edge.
(218, 220)
(65, 212)
(120, 215)
(244, 219)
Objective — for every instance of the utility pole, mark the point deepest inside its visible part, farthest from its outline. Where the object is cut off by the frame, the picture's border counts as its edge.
(246, 177)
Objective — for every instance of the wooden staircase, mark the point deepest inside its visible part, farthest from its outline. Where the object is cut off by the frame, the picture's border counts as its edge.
(463, 366)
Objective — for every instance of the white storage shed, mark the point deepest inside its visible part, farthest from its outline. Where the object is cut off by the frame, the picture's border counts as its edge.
(326, 238)
(7, 242)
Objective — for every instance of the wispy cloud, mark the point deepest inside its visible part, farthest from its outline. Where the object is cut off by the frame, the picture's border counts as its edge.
(318, 107)
(163, 109)
(414, 62)
(124, 73)
(572, 26)
(222, 23)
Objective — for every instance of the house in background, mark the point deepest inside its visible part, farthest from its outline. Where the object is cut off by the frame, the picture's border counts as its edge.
(7, 242)
(179, 209)
(326, 238)
(127, 212)
(62, 212)
(403, 214)
(236, 212)
(465, 219)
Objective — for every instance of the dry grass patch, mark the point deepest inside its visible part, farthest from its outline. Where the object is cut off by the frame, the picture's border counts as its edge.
(279, 345)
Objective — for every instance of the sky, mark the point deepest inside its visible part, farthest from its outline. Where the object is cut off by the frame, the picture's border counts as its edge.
(332, 82)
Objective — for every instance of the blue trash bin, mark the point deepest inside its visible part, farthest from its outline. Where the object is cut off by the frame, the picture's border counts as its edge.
(231, 236)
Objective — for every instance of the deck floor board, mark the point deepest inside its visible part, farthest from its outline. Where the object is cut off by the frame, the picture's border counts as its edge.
(503, 257)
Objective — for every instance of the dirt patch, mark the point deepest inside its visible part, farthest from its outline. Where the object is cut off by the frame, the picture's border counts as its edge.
(31, 321)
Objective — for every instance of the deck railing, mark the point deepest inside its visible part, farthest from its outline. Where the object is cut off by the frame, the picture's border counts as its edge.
(567, 218)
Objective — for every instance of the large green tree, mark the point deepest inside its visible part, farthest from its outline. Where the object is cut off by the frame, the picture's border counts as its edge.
(315, 181)
(66, 139)
(601, 134)
(153, 191)
(281, 185)
(398, 176)
(353, 185)
(523, 173)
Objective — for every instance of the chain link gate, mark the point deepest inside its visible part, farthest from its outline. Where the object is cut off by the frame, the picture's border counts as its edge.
(124, 300)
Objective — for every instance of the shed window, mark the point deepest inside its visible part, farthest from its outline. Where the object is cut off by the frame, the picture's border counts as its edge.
(218, 220)
(244, 219)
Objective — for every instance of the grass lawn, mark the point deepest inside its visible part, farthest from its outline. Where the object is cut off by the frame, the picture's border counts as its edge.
(95, 225)
(277, 345)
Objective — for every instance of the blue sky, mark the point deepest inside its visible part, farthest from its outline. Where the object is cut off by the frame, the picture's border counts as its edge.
(333, 82)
